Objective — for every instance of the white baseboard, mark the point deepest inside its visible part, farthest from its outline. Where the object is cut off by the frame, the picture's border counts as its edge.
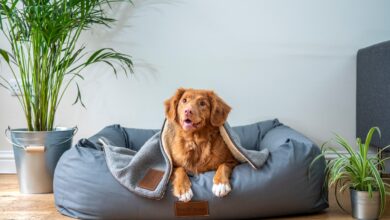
(332, 155)
(7, 162)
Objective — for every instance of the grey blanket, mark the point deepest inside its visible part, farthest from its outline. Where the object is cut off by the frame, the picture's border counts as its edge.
(129, 167)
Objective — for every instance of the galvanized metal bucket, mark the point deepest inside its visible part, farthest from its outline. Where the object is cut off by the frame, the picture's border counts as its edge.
(364, 206)
(36, 156)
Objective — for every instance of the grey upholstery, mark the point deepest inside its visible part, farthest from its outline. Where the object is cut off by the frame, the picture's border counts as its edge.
(84, 188)
(373, 92)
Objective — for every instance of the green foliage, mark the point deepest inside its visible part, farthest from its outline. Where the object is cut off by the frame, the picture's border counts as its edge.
(356, 169)
(43, 35)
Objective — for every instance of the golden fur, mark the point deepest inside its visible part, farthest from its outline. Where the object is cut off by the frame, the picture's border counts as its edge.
(197, 146)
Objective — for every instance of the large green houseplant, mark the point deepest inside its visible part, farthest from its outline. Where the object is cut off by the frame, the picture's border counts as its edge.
(359, 171)
(45, 57)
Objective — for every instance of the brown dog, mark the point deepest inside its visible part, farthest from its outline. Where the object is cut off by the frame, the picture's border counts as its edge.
(197, 145)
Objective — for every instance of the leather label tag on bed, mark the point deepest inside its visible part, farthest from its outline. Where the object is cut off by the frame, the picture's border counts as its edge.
(151, 179)
(191, 208)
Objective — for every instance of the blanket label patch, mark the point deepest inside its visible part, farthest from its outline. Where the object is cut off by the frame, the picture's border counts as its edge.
(151, 179)
(191, 208)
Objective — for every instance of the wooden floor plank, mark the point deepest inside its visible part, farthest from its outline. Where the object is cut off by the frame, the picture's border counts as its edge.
(14, 205)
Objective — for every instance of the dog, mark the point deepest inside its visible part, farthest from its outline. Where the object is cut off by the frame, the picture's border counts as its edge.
(197, 145)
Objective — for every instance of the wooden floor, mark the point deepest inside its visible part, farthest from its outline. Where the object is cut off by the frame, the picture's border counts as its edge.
(14, 205)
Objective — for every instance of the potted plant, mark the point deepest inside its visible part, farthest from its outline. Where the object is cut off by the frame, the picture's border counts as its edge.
(45, 59)
(358, 171)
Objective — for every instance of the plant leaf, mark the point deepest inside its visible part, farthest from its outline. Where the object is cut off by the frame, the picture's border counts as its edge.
(78, 98)
(380, 185)
(4, 54)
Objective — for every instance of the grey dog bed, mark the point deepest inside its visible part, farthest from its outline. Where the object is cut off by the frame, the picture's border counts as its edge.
(85, 188)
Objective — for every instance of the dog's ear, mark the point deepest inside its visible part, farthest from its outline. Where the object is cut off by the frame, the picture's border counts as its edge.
(219, 110)
(171, 104)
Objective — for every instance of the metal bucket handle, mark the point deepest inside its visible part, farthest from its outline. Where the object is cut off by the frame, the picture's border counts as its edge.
(35, 148)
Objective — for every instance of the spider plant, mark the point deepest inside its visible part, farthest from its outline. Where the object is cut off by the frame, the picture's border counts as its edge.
(45, 55)
(356, 169)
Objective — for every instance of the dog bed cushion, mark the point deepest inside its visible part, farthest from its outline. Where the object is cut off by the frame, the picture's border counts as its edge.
(84, 187)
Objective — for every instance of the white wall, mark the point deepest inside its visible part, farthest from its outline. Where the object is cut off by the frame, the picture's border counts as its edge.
(292, 60)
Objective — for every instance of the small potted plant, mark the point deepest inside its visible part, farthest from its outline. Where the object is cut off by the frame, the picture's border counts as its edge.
(45, 58)
(358, 171)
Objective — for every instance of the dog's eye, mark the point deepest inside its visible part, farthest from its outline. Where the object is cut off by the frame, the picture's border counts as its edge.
(184, 100)
(202, 103)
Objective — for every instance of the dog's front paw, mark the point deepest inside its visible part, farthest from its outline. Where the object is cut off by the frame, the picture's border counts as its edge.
(183, 194)
(221, 189)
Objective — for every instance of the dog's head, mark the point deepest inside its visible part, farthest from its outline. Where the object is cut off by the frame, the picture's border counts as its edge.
(194, 109)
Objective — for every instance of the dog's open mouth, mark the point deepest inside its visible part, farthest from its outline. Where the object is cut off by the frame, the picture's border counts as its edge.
(189, 124)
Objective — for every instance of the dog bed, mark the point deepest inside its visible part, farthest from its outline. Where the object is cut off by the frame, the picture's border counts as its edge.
(85, 187)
